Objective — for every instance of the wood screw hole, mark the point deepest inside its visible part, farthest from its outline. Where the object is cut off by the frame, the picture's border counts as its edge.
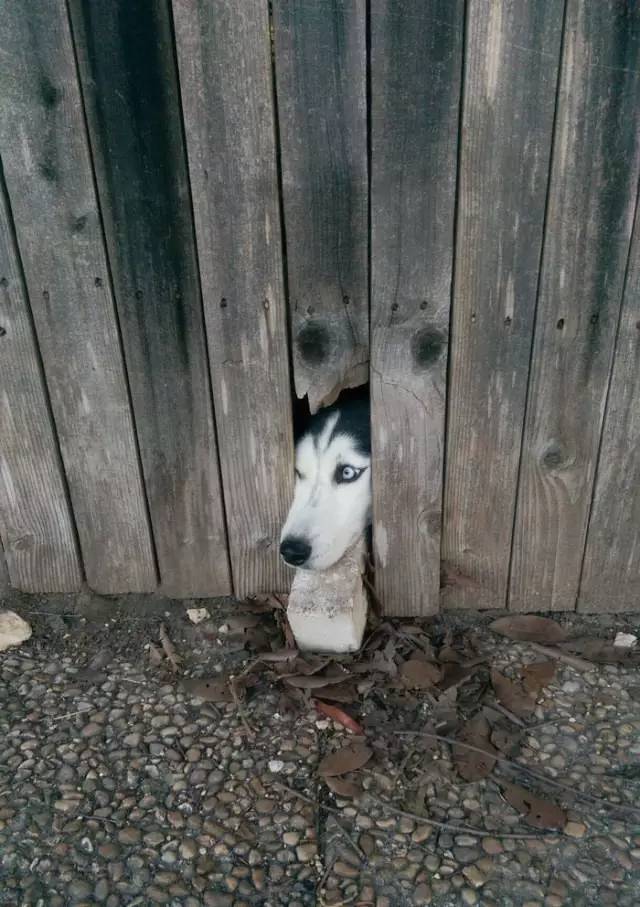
(594, 319)
(473, 316)
(423, 304)
(3, 331)
(310, 310)
(345, 300)
(507, 320)
(223, 303)
(3, 281)
(265, 304)
(45, 295)
(395, 307)
(98, 281)
(560, 324)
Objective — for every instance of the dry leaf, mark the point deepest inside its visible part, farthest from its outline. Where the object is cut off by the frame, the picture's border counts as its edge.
(512, 695)
(336, 714)
(155, 655)
(538, 813)
(343, 788)
(312, 681)
(505, 739)
(454, 673)
(211, 689)
(281, 655)
(172, 656)
(348, 759)
(471, 765)
(600, 651)
(340, 692)
(537, 675)
(240, 623)
(420, 675)
(529, 628)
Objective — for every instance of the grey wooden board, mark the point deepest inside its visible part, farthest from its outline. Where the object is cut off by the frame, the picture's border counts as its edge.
(129, 82)
(226, 83)
(511, 71)
(36, 525)
(611, 571)
(589, 220)
(416, 57)
(5, 586)
(49, 180)
(320, 55)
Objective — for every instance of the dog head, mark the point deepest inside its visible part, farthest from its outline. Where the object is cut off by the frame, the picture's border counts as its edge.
(332, 500)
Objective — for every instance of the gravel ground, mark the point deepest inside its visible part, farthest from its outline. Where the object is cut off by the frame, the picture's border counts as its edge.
(118, 788)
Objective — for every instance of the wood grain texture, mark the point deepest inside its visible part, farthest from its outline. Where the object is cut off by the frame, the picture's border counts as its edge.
(591, 204)
(5, 585)
(226, 84)
(416, 57)
(511, 71)
(49, 180)
(320, 54)
(611, 571)
(36, 524)
(131, 94)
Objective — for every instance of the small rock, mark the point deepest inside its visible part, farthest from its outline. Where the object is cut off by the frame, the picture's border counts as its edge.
(492, 846)
(264, 806)
(474, 876)
(132, 740)
(575, 829)
(276, 766)
(129, 835)
(91, 730)
(188, 849)
(345, 870)
(13, 630)
(291, 838)
(625, 640)
(197, 615)
(422, 894)
(79, 889)
(306, 852)
(571, 686)
(469, 896)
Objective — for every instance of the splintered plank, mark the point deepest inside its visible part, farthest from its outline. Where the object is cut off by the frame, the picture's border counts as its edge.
(320, 55)
(416, 57)
(35, 521)
(50, 185)
(594, 177)
(511, 73)
(226, 83)
(129, 82)
(611, 572)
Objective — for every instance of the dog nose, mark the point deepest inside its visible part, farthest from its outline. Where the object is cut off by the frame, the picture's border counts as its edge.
(295, 551)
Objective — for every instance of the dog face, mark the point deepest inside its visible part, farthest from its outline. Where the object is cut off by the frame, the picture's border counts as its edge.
(332, 500)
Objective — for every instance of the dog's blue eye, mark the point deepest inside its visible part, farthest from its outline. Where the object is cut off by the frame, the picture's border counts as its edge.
(347, 473)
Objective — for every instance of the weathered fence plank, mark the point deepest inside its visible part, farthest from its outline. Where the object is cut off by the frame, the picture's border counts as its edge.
(320, 55)
(611, 573)
(129, 81)
(589, 221)
(226, 83)
(416, 56)
(511, 72)
(49, 180)
(5, 586)
(36, 525)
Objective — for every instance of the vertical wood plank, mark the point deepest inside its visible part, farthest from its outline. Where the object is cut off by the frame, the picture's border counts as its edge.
(591, 203)
(320, 54)
(129, 82)
(49, 180)
(36, 525)
(511, 73)
(5, 586)
(611, 572)
(226, 84)
(416, 58)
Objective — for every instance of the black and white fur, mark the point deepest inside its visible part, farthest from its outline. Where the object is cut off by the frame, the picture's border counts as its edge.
(332, 500)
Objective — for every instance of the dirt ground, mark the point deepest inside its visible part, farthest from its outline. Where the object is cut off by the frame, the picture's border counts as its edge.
(126, 780)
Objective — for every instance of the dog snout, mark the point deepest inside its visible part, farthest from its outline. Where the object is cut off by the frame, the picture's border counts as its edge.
(295, 550)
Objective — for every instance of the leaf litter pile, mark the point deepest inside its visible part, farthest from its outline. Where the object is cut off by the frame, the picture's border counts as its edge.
(424, 707)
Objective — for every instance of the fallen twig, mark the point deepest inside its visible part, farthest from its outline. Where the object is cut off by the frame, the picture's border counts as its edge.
(250, 731)
(599, 801)
(513, 718)
(55, 718)
(580, 664)
(459, 829)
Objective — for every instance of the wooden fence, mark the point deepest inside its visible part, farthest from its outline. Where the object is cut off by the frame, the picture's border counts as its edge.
(204, 202)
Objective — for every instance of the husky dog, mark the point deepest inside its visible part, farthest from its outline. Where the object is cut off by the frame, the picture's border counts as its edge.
(332, 501)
